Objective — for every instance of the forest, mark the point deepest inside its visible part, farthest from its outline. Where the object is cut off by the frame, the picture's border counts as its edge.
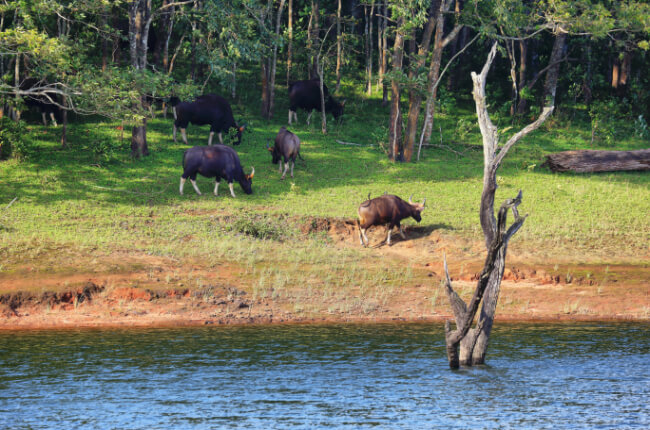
(415, 97)
(113, 59)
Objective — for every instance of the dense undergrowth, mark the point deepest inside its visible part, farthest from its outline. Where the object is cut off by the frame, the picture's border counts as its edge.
(91, 197)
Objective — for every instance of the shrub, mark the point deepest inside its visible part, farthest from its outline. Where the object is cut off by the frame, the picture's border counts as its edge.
(11, 139)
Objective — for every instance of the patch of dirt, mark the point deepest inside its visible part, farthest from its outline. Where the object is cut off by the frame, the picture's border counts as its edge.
(156, 291)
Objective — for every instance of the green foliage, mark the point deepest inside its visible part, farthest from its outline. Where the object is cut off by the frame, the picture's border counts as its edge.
(641, 128)
(12, 142)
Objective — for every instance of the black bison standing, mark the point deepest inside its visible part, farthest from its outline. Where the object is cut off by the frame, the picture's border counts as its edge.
(218, 161)
(306, 95)
(386, 210)
(208, 109)
(287, 147)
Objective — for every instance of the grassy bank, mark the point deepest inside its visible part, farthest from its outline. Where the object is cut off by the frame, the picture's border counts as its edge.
(74, 210)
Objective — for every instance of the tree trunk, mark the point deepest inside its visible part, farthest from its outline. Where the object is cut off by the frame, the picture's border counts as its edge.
(140, 18)
(64, 127)
(395, 128)
(264, 72)
(523, 58)
(473, 342)
(384, 55)
(339, 47)
(433, 78)
(313, 43)
(319, 68)
(290, 47)
(553, 73)
(274, 61)
(415, 95)
(139, 140)
(369, 48)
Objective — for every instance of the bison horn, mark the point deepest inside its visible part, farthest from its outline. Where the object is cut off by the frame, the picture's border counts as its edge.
(411, 198)
(368, 196)
(252, 173)
(424, 202)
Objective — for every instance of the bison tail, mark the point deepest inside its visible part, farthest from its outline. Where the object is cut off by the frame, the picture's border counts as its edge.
(300, 156)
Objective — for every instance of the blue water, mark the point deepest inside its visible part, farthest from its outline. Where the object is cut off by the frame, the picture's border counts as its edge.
(334, 376)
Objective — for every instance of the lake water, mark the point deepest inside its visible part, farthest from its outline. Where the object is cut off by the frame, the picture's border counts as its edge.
(329, 376)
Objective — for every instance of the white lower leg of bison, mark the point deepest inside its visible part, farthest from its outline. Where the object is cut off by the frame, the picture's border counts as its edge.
(293, 163)
(367, 242)
(210, 138)
(401, 231)
(174, 112)
(53, 118)
(195, 187)
(388, 236)
(44, 118)
(220, 138)
(286, 167)
(289, 117)
(174, 133)
(216, 188)
(232, 192)
(184, 135)
(182, 184)
(309, 117)
(279, 166)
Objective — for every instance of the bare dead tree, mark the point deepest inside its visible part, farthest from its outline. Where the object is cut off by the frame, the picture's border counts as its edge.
(473, 342)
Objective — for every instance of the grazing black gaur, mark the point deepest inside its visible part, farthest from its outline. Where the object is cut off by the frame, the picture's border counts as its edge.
(386, 210)
(208, 109)
(306, 95)
(287, 147)
(218, 161)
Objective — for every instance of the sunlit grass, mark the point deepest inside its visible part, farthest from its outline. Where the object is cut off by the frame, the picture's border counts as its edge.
(71, 204)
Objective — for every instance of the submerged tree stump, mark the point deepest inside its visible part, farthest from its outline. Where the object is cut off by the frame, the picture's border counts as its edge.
(599, 161)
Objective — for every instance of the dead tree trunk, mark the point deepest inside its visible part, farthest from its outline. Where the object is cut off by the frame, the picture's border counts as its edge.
(474, 341)
(599, 161)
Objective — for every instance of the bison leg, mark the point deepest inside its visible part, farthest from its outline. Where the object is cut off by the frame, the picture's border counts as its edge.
(401, 232)
(195, 187)
(216, 188)
(280, 167)
(220, 138)
(286, 167)
(289, 116)
(44, 118)
(232, 191)
(182, 184)
(293, 163)
(184, 135)
(388, 233)
(309, 116)
(53, 119)
(363, 237)
(210, 138)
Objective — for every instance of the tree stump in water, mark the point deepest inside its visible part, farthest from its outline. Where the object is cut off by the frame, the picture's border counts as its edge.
(599, 161)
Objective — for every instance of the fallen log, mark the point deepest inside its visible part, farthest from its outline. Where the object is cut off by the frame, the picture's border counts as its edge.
(599, 161)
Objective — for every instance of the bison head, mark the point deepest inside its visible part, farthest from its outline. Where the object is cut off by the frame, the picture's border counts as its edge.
(334, 107)
(247, 182)
(240, 129)
(417, 209)
(274, 154)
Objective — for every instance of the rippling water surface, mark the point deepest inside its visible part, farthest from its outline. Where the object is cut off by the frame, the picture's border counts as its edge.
(352, 376)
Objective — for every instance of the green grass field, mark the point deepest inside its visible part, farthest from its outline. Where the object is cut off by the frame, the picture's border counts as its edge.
(72, 204)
